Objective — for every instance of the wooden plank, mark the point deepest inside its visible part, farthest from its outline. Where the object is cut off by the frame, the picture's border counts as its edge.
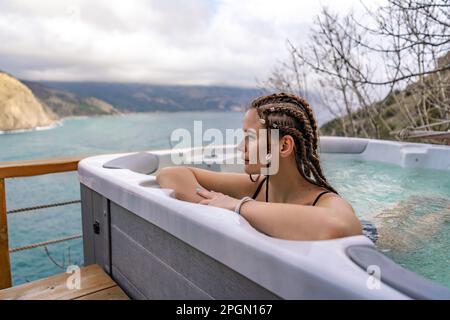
(37, 167)
(5, 265)
(113, 293)
(93, 279)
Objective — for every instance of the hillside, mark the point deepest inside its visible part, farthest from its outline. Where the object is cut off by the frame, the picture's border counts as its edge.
(65, 103)
(146, 97)
(402, 110)
(19, 108)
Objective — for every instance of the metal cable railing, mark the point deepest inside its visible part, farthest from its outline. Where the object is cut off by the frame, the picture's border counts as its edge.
(45, 243)
(28, 168)
(45, 206)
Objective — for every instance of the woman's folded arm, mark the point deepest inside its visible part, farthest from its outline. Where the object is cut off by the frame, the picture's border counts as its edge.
(185, 180)
(333, 219)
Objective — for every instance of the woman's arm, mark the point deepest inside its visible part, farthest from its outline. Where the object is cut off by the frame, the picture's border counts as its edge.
(332, 219)
(185, 180)
(182, 181)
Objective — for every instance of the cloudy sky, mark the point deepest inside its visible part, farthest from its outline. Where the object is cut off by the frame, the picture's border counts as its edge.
(227, 42)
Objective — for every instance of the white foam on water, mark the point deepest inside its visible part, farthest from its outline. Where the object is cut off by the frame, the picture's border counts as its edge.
(38, 128)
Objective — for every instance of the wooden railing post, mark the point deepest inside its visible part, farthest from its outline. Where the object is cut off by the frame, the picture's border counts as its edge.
(5, 266)
(15, 169)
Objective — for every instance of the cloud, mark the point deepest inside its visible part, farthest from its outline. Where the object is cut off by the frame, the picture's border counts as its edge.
(227, 42)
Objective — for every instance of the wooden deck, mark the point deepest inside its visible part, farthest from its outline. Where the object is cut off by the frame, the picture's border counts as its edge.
(95, 285)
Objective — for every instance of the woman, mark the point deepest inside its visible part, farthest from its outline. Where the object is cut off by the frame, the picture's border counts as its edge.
(295, 203)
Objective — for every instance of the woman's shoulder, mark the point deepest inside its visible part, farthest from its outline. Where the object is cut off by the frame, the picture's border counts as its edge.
(340, 208)
(329, 198)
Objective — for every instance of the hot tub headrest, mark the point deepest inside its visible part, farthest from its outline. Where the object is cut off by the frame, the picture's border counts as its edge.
(141, 162)
(340, 145)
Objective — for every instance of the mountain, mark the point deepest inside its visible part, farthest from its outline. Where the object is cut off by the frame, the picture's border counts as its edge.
(19, 108)
(146, 97)
(65, 103)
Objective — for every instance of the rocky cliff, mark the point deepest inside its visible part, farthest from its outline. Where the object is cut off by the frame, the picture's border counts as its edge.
(66, 103)
(19, 108)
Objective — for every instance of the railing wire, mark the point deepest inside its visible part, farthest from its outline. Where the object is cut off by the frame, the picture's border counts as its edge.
(45, 243)
(45, 206)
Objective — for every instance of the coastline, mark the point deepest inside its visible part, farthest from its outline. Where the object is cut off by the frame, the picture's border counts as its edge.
(55, 124)
(60, 122)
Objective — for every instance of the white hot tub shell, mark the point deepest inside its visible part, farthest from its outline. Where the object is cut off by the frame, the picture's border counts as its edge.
(157, 247)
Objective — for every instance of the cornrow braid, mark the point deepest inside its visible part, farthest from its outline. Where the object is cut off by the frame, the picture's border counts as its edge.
(283, 98)
(295, 113)
(307, 161)
(293, 116)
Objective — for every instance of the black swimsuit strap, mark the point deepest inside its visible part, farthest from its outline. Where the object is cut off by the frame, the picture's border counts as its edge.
(318, 197)
(260, 186)
(258, 189)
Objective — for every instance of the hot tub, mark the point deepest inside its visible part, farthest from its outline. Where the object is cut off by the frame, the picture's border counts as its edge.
(157, 247)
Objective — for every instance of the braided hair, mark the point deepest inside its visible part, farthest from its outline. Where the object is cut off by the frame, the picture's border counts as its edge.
(293, 116)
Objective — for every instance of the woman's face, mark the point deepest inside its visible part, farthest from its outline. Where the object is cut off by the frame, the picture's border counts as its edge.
(251, 142)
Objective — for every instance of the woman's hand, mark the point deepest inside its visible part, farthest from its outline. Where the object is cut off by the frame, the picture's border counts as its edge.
(217, 199)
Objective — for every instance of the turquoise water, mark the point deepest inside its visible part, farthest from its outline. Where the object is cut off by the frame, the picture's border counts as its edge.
(378, 192)
(410, 207)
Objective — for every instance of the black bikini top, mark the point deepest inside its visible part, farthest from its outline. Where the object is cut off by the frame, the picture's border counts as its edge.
(258, 189)
(260, 186)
